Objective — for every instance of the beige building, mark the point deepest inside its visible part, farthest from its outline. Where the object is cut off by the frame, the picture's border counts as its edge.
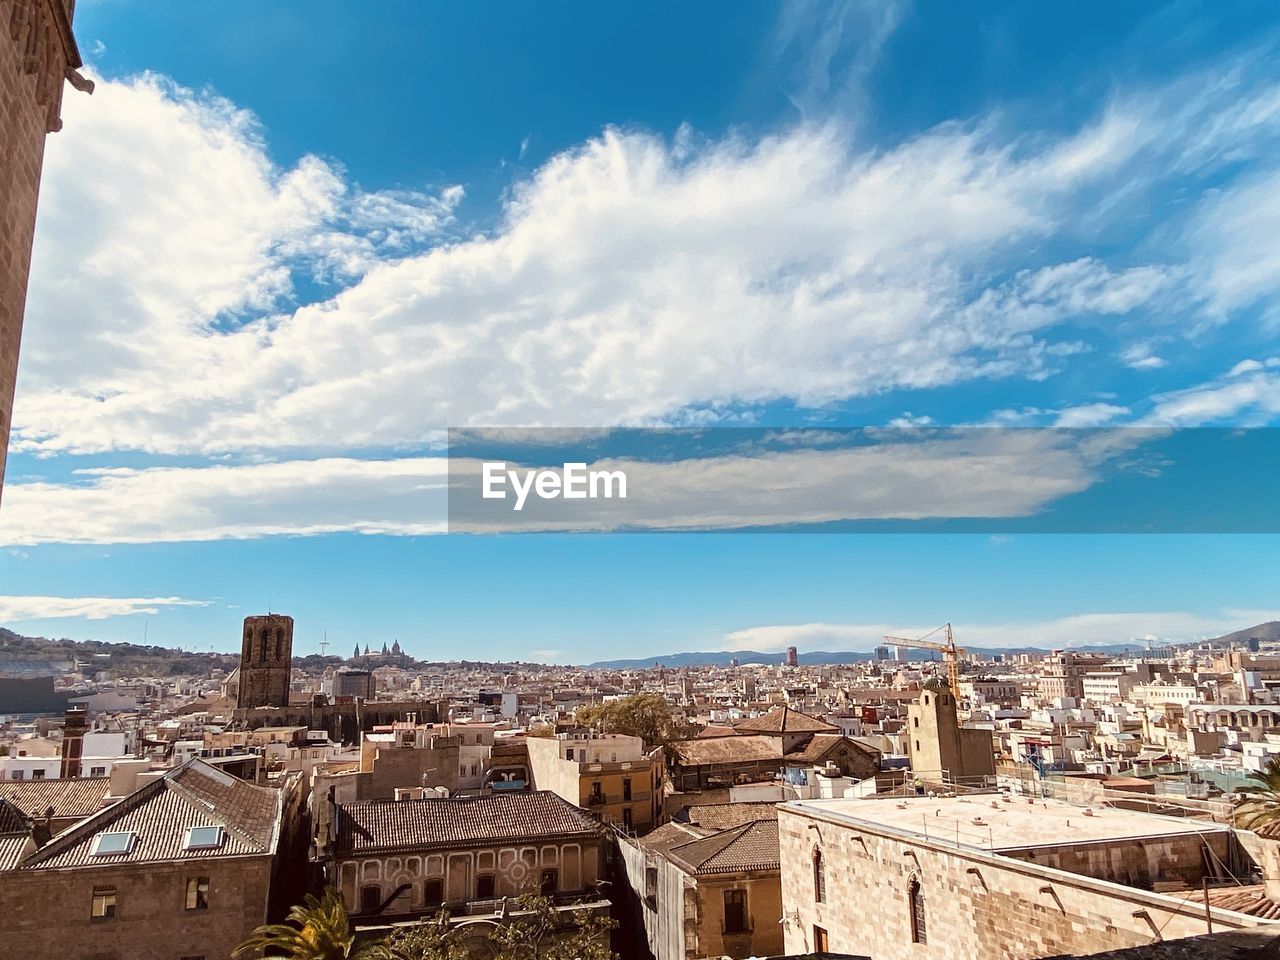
(612, 775)
(707, 885)
(184, 867)
(36, 55)
(939, 747)
(990, 877)
(398, 860)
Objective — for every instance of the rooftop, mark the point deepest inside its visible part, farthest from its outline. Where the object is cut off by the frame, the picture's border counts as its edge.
(785, 720)
(1013, 824)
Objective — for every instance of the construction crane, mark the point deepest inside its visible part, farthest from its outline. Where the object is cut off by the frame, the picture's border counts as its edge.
(951, 654)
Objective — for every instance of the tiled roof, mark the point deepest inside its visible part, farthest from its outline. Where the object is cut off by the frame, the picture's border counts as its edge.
(456, 821)
(12, 820)
(816, 750)
(752, 846)
(11, 847)
(693, 753)
(785, 720)
(74, 798)
(722, 816)
(162, 811)
(1251, 900)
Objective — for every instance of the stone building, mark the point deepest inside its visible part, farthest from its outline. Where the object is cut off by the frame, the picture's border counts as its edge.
(36, 56)
(266, 662)
(186, 866)
(398, 860)
(999, 878)
(706, 886)
(939, 747)
(612, 775)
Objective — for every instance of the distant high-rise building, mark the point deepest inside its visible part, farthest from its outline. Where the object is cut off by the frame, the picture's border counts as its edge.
(792, 658)
(882, 653)
(266, 661)
(900, 654)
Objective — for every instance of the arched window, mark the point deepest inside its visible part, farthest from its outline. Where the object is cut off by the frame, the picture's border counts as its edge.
(484, 886)
(915, 903)
(370, 898)
(819, 878)
(433, 892)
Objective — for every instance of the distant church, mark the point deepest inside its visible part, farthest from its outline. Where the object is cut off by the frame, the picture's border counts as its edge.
(266, 661)
(393, 657)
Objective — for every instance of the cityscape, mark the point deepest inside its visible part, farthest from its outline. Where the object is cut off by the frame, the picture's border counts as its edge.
(631, 481)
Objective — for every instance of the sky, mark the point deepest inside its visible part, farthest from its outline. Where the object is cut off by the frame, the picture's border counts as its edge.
(282, 249)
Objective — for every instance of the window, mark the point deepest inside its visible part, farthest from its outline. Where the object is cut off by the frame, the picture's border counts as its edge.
(915, 901)
(370, 898)
(484, 886)
(549, 883)
(197, 893)
(16, 775)
(37, 774)
(626, 816)
(735, 911)
(568, 754)
(820, 941)
(204, 838)
(433, 893)
(104, 903)
(597, 791)
(626, 788)
(819, 878)
(112, 844)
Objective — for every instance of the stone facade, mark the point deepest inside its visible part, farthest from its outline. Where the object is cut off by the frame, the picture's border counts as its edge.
(266, 661)
(972, 902)
(37, 54)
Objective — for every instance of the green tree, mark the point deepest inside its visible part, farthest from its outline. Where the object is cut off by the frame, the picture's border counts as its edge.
(644, 715)
(317, 929)
(1262, 803)
(540, 932)
(428, 940)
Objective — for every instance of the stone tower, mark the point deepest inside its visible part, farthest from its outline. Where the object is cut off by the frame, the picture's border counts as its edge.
(37, 52)
(939, 747)
(266, 661)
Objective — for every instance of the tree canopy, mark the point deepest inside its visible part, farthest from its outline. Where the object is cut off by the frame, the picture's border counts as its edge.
(644, 715)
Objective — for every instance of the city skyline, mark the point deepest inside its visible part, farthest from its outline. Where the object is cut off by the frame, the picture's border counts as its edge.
(855, 215)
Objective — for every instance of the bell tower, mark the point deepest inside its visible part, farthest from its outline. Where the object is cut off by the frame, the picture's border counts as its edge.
(266, 661)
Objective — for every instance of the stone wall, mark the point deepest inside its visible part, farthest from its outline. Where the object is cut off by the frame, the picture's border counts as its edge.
(48, 911)
(266, 661)
(36, 50)
(977, 904)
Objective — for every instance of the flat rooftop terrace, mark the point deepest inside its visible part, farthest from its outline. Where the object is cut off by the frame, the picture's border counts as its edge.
(1009, 825)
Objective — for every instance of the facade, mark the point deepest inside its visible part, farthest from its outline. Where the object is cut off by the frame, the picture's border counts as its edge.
(351, 682)
(612, 775)
(707, 886)
(186, 866)
(266, 662)
(1001, 879)
(36, 56)
(939, 747)
(398, 860)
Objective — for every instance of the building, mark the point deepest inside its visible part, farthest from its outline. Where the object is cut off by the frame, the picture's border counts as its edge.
(185, 866)
(352, 682)
(36, 56)
(614, 776)
(266, 662)
(1005, 879)
(399, 860)
(707, 886)
(793, 659)
(939, 747)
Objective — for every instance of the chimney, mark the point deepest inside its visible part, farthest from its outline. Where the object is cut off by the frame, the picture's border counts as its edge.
(73, 731)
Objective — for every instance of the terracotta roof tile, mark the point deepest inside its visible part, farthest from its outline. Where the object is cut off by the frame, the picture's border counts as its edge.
(746, 749)
(722, 816)
(162, 811)
(74, 798)
(752, 846)
(785, 720)
(456, 821)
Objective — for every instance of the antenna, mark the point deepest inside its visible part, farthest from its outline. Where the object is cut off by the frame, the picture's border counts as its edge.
(324, 644)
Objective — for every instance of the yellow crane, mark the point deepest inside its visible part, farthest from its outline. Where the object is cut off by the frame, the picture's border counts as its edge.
(951, 654)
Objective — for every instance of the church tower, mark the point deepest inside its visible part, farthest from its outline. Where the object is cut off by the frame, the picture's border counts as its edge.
(266, 661)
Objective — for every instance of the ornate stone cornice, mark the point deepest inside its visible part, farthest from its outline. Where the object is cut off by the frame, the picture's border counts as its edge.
(42, 31)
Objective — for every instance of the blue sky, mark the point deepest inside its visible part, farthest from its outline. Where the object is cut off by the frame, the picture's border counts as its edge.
(282, 248)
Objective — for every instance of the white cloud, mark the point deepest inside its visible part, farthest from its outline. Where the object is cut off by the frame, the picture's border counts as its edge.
(630, 280)
(1233, 238)
(294, 498)
(14, 609)
(1060, 632)
(1250, 388)
(1089, 415)
(1140, 356)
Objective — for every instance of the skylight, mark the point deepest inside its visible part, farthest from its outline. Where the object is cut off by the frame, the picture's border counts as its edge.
(113, 843)
(204, 838)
